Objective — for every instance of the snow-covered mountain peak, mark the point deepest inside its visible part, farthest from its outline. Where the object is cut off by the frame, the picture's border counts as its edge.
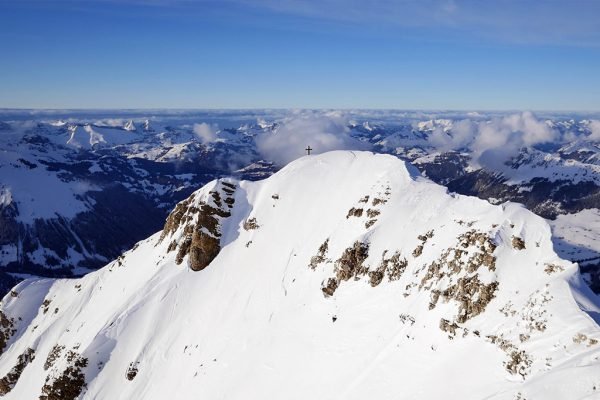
(343, 275)
(129, 126)
(428, 126)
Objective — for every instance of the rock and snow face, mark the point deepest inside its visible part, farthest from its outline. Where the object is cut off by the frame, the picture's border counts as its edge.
(74, 196)
(344, 275)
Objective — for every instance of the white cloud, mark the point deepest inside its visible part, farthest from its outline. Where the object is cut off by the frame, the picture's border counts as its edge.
(594, 130)
(501, 138)
(494, 141)
(206, 132)
(321, 131)
(462, 135)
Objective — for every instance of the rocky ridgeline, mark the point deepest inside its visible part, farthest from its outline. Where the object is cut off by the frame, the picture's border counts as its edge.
(463, 274)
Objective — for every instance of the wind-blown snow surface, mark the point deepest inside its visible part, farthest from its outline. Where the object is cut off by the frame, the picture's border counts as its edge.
(473, 302)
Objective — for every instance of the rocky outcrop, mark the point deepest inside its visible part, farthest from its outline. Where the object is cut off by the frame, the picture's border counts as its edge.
(69, 383)
(518, 243)
(132, 370)
(7, 329)
(321, 255)
(350, 264)
(8, 382)
(194, 226)
(454, 275)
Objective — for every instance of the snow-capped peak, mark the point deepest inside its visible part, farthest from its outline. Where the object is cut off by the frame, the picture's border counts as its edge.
(129, 126)
(344, 275)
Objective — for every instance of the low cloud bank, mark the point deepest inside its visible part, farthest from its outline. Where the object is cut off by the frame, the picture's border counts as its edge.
(321, 131)
(495, 141)
(594, 130)
(207, 133)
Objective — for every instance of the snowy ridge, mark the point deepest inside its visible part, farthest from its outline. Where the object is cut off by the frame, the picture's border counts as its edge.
(343, 275)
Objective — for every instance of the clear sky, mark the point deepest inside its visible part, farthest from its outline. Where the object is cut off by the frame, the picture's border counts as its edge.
(428, 54)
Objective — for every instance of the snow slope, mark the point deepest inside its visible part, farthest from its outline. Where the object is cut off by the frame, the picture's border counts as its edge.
(576, 235)
(343, 276)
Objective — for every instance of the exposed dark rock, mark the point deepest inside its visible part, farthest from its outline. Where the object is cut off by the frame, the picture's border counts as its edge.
(418, 251)
(321, 254)
(428, 235)
(468, 291)
(393, 267)
(251, 224)
(553, 268)
(350, 264)
(204, 248)
(372, 213)
(8, 382)
(201, 233)
(423, 238)
(46, 305)
(27, 163)
(375, 277)
(54, 354)
(518, 243)
(354, 212)
(330, 287)
(70, 383)
(370, 223)
(7, 329)
(132, 371)
(449, 327)
(406, 318)
(518, 363)
(473, 296)
(174, 219)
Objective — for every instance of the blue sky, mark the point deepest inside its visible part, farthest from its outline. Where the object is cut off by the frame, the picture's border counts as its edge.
(429, 54)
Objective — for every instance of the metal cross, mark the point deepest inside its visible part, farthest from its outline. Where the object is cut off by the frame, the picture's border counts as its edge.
(308, 150)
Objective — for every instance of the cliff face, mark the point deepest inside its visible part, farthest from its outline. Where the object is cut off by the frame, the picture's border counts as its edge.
(194, 227)
(343, 275)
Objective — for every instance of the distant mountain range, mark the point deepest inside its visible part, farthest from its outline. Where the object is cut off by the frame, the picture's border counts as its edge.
(75, 192)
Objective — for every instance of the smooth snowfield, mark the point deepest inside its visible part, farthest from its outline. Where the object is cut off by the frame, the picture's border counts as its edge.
(576, 235)
(255, 323)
